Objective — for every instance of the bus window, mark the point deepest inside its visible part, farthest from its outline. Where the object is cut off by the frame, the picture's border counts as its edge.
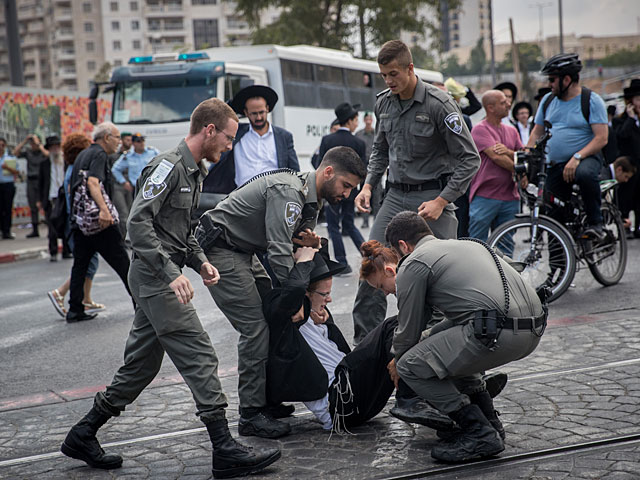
(378, 83)
(297, 71)
(329, 74)
(299, 88)
(331, 88)
(361, 89)
(233, 84)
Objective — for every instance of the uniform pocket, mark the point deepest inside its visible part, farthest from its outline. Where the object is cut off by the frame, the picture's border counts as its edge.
(223, 261)
(421, 133)
(183, 200)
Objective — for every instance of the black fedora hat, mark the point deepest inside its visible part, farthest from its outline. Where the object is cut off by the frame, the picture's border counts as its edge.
(52, 140)
(520, 105)
(324, 267)
(508, 86)
(541, 93)
(239, 100)
(633, 89)
(345, 111)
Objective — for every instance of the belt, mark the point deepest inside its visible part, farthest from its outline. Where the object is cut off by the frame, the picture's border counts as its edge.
(221, 243)
(525, 323)
(437, 184)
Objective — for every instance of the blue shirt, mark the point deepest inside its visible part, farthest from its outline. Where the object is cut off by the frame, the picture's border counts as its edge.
(5, 175)
(570, 131)
(134, 163)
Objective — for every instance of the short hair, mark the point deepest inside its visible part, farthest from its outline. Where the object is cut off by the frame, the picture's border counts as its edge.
(211, 110)
(407, 226)
(611, 110)
(374, 257)
(367, 114)
(344, 160)
(102, 130)
(625, 164)
(347, 120)
(73, 145)
(395, 50)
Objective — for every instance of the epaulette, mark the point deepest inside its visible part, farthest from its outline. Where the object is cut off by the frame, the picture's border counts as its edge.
(266, 174)
(383, 91)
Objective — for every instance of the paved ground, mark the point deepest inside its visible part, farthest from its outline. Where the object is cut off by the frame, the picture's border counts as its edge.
(582, 384)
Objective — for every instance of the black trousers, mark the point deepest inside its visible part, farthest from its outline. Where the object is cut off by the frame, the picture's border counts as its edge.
(362, 385)
(110, 245)
(7, 192)
(53, 233)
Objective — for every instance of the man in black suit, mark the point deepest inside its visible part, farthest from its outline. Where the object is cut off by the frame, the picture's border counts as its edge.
(347, 116)
(258, 145)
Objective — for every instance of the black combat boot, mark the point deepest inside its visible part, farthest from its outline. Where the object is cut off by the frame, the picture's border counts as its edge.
(416, 410)
(495, 383)
(485, 402)
(280, 410)
(231, 458)
(258, 422)
(81, 442)
(477, 440)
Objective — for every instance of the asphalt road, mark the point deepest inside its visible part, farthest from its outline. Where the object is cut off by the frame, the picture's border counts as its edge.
(40, 353)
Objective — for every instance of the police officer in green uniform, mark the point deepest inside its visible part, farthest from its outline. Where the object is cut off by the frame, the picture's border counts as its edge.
(165, 319)
(422, 139)
(493, 317)
(268, 215)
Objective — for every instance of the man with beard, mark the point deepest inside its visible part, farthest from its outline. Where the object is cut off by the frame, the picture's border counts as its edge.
(259, 146)
(162, 241)
(267, 215)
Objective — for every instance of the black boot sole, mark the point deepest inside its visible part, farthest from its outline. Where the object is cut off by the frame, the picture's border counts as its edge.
(79, 455)
(495, 383)
(242, 471)
(435, 422)
(248, 430)
(486, 451)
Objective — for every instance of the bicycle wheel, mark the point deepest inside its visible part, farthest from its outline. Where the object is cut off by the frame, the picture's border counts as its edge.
(549, 260)
(607, 260)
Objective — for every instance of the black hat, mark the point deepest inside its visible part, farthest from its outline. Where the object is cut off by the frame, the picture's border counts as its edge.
(633, 89)
(239, 100)
(52, 140)
(137, 137)
(325, 267)
(335, 122)
(520, 105)
(345, 111)
(541, 93)
(508, 86)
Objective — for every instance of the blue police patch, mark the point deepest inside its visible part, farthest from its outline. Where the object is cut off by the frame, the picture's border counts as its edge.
(292, 212)
(454, 123)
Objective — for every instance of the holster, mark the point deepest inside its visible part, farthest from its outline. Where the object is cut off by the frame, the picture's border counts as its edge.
(485, 325)
(206, 233)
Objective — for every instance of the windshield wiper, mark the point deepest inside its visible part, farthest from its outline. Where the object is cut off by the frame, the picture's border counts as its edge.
(144, 120)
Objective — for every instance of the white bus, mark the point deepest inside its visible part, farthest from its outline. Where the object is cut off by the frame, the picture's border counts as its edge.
(155, 95)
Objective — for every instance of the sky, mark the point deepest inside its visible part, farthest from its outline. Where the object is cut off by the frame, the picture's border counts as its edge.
(582, 17)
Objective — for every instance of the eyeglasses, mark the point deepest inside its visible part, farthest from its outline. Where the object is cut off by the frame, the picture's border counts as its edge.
(229, 137)
(552, 79)
(261, 113)
(322, 294)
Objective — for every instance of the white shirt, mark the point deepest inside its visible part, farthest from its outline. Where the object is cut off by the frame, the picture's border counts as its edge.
(57, 177)
(524, 132)
(254, 154)
(317, 336)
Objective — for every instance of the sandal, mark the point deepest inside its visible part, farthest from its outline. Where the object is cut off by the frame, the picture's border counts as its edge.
(58, 302)
(93, 307)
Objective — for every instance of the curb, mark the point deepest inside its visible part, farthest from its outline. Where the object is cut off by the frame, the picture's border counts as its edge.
(26, 254)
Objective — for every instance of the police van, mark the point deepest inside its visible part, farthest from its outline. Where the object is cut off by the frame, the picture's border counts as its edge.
(156, 94)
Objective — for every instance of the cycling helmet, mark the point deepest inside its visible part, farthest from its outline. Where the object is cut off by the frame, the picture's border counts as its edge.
(562, 64)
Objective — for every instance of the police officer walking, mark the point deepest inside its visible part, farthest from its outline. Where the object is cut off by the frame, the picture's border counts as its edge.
(493, 317)
(422, 139)
(268, 215)
(165, 320)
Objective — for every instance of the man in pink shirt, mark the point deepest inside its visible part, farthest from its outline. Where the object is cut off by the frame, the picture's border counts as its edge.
(493, 194)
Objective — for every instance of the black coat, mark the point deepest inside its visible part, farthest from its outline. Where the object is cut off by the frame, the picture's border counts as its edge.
(294, 373)
(343, 138)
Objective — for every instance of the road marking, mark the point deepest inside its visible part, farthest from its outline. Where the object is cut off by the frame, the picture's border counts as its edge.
(603, 366)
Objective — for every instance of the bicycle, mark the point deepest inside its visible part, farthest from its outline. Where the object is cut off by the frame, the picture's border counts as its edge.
(552, 252)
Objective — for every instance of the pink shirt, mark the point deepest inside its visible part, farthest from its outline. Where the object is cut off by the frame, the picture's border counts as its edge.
(491, 180)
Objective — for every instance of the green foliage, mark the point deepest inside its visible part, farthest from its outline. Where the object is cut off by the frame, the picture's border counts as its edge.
(622, 58)
(103, 75)
(18, 116)
(423, 59)
(451, 67)
(530, 57)
(477, 63)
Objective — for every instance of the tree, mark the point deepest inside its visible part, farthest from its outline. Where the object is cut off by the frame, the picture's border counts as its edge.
(333, 23)
(103, 74)
(423, 59)
(622, 58)
(477, 62)
(529, 55)
(451, 67)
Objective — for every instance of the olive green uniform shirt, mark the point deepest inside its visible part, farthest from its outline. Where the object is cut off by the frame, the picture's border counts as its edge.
(423, 141)
(457, 277)
(264, 214)
(160, 220)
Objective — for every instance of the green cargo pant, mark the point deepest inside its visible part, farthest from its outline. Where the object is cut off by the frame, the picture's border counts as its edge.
(238, 294)
(162, 324)
(370, 307)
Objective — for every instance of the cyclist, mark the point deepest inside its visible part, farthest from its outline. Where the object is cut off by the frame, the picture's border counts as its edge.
(579, 128)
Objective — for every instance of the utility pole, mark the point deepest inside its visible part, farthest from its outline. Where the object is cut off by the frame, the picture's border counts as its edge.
(515, 57)
(13, 44)
(560, 22)
(541, 7)
(493, 52)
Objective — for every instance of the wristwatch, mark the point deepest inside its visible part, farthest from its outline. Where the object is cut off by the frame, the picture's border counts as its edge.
(577, 156)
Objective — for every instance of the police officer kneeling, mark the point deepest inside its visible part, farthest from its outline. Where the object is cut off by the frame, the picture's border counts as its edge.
(492, 318)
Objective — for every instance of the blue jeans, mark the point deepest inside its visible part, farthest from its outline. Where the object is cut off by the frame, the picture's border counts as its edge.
(342, 211)
(587, 178)
(488, 213)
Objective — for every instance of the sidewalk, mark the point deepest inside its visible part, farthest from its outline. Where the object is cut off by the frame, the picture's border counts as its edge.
(23, 248)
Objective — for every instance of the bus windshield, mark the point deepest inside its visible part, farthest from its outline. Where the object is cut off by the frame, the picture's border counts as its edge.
(163, 99)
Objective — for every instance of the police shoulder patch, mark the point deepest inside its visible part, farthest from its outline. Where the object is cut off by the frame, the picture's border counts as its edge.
(292, 212)
(151, 189)
(161, 171)
(454, 122)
